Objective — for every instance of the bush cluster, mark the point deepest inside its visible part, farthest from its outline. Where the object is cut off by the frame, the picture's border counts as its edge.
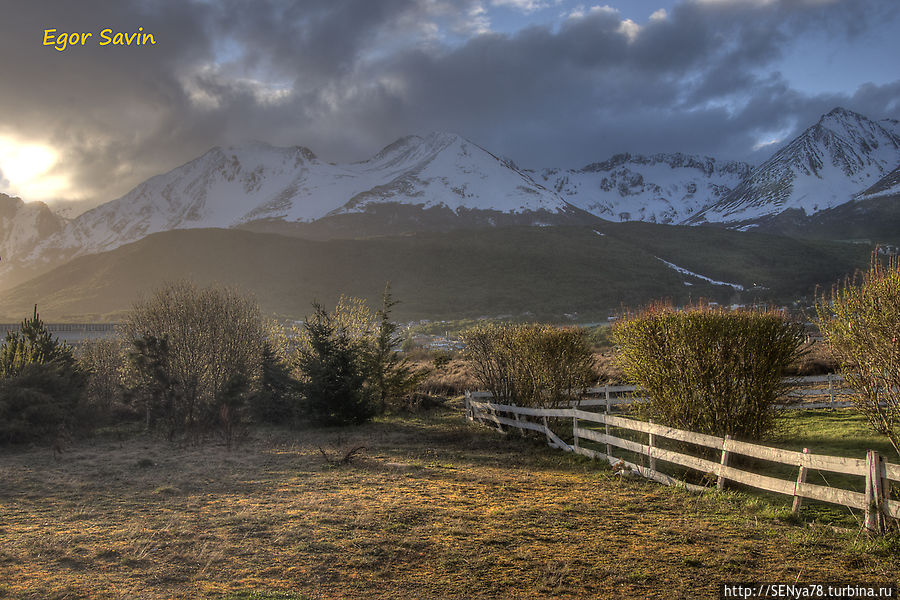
(198, 355)
(530, 365)
(349, 365)
(709, 370)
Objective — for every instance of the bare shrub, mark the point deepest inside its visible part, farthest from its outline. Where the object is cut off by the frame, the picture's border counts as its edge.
(200, 352)
(106, 363)
(862, 324)
(530, 365)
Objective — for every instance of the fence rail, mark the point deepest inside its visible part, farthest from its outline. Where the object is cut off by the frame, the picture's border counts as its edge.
(874, 500)
(826, 388)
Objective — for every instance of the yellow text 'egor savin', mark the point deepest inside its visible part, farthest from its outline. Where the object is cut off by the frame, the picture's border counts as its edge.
(106, 37)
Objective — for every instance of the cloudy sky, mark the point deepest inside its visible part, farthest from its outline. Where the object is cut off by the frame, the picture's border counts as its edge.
(544, 82)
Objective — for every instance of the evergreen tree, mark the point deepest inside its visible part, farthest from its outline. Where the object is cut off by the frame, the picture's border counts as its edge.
(333, 365)
(40, 385)
(390, 373)
(278, 399)
(32, 344)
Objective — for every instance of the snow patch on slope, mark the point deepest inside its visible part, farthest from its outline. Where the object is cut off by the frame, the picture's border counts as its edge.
(684, 271)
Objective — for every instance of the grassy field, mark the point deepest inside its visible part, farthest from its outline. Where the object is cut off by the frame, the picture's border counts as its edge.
(432, 508)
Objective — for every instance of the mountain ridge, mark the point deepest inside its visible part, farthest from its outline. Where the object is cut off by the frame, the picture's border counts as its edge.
(442, 181)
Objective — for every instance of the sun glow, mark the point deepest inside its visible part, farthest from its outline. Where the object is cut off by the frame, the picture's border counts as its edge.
(25, 170)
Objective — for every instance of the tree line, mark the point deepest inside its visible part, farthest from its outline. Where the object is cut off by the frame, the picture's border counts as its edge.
(194, 362)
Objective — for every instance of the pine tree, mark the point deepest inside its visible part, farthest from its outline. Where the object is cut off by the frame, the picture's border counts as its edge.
(334, 373)
(32, 344)
(40, 385)
(390, 373)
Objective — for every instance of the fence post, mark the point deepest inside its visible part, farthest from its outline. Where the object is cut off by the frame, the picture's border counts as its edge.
(831, 390)
(547, 432)
(575, 433)
(874, 492)
(606, 425)
(651, 441)
(801, 478)
(469, 415)
(726, 458)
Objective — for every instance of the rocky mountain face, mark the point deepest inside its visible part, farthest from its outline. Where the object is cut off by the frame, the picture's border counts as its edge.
(887, 186)
(662, 188)
(839, 157)
(24, 227)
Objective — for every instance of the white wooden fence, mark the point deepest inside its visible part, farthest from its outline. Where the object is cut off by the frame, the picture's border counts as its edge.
(874, 500)
(817, 391)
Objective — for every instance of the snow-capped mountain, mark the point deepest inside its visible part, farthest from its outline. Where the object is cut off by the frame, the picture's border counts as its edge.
(442, 181)
(827, 165)
(23, 227)
(237, 186)
(662, 188)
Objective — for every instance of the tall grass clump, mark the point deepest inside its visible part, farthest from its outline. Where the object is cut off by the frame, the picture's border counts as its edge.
(530, 365)
(862, 325)
(708, 370)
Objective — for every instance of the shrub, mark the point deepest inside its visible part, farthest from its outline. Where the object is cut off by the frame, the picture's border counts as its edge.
(105, 364)
(278, 399)
(708, 370)
(190, 346)
(862, 325)
(39, 402)
(349, 363)
(530, 365)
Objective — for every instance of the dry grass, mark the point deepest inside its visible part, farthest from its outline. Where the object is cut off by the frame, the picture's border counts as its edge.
(450, 379)
(435, 508)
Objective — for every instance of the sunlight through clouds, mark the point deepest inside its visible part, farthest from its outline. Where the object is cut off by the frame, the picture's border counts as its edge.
(26, 169)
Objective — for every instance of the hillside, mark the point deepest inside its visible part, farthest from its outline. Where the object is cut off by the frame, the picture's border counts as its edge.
(541, 272)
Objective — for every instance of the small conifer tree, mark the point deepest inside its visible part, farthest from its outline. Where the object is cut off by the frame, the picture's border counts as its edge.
(40, 385)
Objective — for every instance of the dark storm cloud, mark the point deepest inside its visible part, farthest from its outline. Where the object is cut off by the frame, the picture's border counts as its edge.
(345, 77)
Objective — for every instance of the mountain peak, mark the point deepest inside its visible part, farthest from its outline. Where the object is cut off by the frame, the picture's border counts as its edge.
(824, 166)
(840, 118)
(840, 111)
(435, 141)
